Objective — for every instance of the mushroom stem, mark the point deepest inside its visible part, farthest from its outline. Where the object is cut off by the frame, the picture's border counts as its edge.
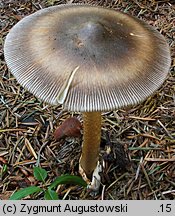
(91, 142)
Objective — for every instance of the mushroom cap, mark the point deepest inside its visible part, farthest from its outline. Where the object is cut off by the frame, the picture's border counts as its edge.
(88, 58)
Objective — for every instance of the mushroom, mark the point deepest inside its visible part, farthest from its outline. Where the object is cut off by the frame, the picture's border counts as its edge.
(89, 59)
(71, 127)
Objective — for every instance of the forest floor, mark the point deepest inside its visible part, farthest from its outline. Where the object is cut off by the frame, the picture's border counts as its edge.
(141, 163)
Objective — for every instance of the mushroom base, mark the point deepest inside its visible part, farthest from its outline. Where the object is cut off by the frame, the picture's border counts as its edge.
(91, 142)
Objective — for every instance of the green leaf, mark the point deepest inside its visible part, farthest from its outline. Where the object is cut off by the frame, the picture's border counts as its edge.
(50, 195)
(4, 168)
(68, 179)
(40, 174)
(25, 192)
